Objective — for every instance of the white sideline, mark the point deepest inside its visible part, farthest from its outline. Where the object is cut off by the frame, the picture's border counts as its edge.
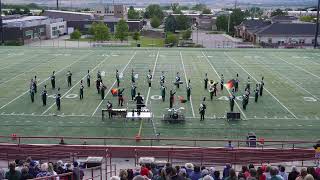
(45, 80)
(244, 115)
(104, 60)
(113, 84)
(185, 76)
(264, 88)
(153, 71)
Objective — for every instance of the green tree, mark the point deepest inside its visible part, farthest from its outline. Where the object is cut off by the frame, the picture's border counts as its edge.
(186, 34)
(174, 6)
(222, 23)
(154, 10)
(199, 7)
(100, 31)
(183, 22)
(171, 38)
(170, 24)
(236, 17)
(136, 36)
(278, 12)
(26, 11)
(254, 12)
(307, 18)
(122, 29)
(133, 14)
(155, 22)
(206, 11)
(76, 34)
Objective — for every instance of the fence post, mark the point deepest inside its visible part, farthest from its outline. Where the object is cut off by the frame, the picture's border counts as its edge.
(101, 172)
(92, 173)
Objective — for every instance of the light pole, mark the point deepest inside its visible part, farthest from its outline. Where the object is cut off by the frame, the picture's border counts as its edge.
(317, 27)
(1, 25)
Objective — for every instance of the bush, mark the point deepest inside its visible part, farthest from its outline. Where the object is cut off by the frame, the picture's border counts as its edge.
(76, 34)
(186, 34)
(155, 22)
(171, 39)
(13, 43)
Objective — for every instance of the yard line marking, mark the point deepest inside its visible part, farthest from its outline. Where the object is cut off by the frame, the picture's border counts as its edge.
(92, 70)
(185, 76)
(297, 66)
(20, 62)
(244, 115)
(134, 54)
(264, 88)
(47, 61)
(45, 80)
(153, 71)
(290, 80)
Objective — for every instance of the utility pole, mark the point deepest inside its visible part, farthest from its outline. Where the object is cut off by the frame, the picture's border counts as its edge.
(57, 4)
(235, 4)
(317, 27)
(1, 25)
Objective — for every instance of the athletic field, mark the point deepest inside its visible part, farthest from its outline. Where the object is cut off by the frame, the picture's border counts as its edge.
(288, 110)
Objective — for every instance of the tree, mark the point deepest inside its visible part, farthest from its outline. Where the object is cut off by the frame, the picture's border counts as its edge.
(171, 39)
(155, 22)
(307, 18)
(186, 34)
(222, 23)
(122, 29)
(236, 17)
(154, 10)
(170, 24)
(206, 11)
(76, 34)
(183, 22)
(174, 6)
(26, 11)
(136, 36)
(133, 14)
(254, 12)
(199, 7)
(100, 31)
(278, 12)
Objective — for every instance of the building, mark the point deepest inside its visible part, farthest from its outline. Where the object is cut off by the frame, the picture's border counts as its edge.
(27, 29)
(207, 22)
(284, 19)
(278, 34)
(247, 28)
(116, 10)
(68, 15)
(302, 13)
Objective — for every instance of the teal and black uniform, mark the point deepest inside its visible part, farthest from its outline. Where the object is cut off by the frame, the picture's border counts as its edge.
(44, 96)
(53, 81)
(88, 79)
(133, 92)
(163, 93)
(81, 91)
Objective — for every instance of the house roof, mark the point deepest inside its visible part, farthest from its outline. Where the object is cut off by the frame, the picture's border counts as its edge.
(288, 29)
(254, 24)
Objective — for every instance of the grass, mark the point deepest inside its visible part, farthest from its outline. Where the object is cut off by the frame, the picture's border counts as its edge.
(288, 110)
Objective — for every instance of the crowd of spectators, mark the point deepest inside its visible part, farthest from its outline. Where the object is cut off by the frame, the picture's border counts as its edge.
(193, 172)
(29, 169)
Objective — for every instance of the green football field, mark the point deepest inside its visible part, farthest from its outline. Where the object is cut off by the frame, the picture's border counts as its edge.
(288, 110)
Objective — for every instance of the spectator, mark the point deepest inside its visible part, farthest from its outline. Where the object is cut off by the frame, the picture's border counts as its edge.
(251, 166)
(69, 170)
(216, 175)
(60, 167)
(211, 171)
(204, 172)
(130, 174)
(232, 175)
(267, 172)
(311, 170)
(25, 174)
(2, 174)
(309, 177)
(20, 165)
(154, 169)
(139, 177)
(283, 172)
(196, 174)
(174, 175)
(260, 175)
(144, 170)
(162, 175)
(207, 177)
(318, 170)
(136, 171)
(34, 168)
(123, 174)
(77, 172)
(44, 171)
(245, 171)
(274, 174)
(303, 174)
(241, 176)
(183, 174)
(226, 171)
(253, 174)
(189, 168)
(51, 170)
(13, 174)
(293, 174)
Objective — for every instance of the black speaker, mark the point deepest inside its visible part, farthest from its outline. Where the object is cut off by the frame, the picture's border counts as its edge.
(233, 116)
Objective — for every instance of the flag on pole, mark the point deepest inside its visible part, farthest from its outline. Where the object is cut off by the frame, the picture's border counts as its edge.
(230, 84)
